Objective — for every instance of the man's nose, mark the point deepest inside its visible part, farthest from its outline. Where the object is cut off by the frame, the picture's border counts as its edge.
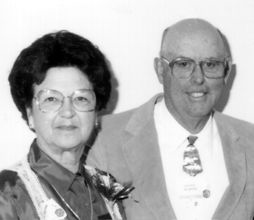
(67, 110)
(198, 76)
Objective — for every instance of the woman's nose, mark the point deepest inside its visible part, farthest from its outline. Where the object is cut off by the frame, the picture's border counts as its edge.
(67, 108)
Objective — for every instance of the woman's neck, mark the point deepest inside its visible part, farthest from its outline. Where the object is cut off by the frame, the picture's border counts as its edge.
(68, 158)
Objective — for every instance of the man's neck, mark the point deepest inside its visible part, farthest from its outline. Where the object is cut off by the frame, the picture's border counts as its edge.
(192, 124)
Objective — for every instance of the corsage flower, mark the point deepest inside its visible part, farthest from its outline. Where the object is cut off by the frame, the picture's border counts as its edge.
(110, 190)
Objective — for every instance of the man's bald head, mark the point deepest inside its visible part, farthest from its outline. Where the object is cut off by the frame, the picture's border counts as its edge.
(192, 33)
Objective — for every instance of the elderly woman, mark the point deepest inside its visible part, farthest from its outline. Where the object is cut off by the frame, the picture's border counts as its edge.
(58, 84)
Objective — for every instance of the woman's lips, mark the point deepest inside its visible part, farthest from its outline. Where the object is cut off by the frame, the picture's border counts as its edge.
(67, 127)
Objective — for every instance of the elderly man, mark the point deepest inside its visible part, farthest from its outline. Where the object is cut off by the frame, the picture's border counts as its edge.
(185, 159)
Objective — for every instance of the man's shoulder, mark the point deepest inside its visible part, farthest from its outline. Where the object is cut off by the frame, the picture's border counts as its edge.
(113, 125)
(117, 119)
(239, 126)
(140, 113)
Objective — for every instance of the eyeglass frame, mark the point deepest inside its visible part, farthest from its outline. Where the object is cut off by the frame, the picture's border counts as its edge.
(225, 61)
(36, 98)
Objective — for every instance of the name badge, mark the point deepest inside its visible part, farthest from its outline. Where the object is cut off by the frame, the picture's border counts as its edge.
(53, 211)
(194, 189)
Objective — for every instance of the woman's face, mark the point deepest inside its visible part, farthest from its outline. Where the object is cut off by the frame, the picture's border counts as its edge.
(65, 128)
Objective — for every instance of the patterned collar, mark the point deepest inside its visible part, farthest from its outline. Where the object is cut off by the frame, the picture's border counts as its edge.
(53, 172)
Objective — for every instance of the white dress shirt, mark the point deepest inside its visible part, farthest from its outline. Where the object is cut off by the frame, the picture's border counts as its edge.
(192, 198)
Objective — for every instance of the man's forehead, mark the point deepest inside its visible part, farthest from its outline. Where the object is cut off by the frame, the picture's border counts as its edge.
(193, 35)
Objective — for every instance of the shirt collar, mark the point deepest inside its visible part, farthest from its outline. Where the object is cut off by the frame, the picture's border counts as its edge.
(50, 170)
(166, 125)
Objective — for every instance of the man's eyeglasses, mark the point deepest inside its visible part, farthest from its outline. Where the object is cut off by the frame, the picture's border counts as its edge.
(82, 100)
(183, 67)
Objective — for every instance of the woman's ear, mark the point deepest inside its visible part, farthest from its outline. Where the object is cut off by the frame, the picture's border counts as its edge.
(30, 119)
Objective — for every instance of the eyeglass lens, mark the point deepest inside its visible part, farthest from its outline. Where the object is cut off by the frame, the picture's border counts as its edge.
(185, 67)
(52, 100)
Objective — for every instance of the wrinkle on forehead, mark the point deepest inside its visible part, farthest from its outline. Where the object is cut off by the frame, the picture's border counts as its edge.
(192, 33)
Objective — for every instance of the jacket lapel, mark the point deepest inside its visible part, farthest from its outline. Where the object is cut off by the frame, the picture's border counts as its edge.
(235, 160)
(143, 157)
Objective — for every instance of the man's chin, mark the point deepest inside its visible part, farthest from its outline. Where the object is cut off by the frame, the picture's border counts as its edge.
(200, 113)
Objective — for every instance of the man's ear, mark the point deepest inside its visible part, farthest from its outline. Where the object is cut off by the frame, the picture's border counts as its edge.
(228, 72)
(159, 69)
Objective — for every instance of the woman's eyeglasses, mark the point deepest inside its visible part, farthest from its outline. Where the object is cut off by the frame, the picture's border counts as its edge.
(83, 100)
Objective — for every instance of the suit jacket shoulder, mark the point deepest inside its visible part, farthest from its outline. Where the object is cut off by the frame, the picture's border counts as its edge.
(116, 126)
(107, 144)
(131, 120)
(236, 128)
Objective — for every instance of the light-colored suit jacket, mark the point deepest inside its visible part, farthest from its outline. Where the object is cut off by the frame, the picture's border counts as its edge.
(127, 147)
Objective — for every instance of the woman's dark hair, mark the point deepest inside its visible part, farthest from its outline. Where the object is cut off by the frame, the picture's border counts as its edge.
(59, 49)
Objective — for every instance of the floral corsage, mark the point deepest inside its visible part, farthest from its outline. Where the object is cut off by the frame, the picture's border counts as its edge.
(110, 190)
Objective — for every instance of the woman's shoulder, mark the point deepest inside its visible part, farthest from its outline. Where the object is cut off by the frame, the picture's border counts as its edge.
(9, 180)
(14, 199)
(11, 185)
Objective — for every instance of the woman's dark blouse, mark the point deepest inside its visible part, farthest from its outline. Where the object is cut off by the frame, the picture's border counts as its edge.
(16, 204)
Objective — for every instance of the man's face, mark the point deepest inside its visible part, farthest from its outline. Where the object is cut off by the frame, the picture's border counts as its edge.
(193, 97)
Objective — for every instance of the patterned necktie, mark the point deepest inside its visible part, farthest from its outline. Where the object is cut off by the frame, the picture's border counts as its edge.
(191, 160)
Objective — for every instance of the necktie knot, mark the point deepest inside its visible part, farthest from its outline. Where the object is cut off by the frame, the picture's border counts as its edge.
(192, 139)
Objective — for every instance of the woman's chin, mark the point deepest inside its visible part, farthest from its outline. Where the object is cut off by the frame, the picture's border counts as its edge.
(68, 144)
